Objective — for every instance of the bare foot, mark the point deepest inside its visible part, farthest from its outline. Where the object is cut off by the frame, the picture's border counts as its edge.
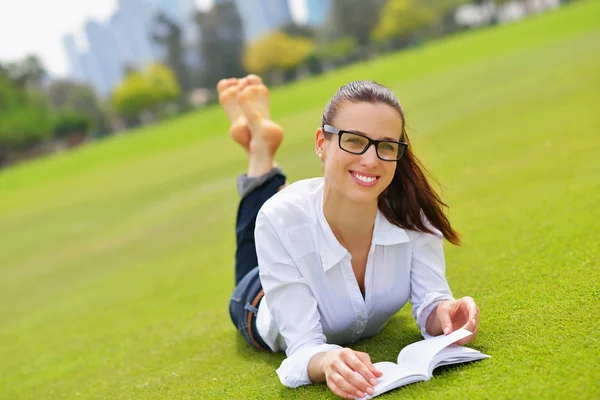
(265, 135)
(239, 131)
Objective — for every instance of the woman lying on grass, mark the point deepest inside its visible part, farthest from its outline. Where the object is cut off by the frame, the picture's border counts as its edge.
(328, 261)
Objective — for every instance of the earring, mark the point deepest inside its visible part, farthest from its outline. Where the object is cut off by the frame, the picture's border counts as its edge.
(320, 155)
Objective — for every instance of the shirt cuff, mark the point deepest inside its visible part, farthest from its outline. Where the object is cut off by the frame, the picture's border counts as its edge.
(431, 301)
(293, 371)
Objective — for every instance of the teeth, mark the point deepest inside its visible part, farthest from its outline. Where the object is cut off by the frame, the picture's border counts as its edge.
(365, 178)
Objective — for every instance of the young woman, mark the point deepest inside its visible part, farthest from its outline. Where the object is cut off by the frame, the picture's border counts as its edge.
(327, 261)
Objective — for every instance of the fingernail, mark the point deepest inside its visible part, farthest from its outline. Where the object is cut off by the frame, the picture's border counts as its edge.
(373, 381)
(446, 330)
(370, 391)
(474, 321)
(360, 394)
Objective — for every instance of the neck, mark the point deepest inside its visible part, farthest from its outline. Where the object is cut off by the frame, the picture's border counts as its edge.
(350, 222)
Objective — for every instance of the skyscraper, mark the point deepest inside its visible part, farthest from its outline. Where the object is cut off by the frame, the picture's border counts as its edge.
(76, 68)
(125, 40)
(91, 71)
(260, 17)
(318, 11)
(102, 45)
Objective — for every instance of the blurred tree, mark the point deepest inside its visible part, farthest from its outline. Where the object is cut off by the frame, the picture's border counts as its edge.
(356, 18)
(65, 95)
(277, 50)
(28, 72)
(24, 118)
(133, 95)
(337, 50)
(169, 34)
(163, 83)
(69, 123)
(403, 18)
(145, 91)
(3, 71)
(222, 42)
(293, 29)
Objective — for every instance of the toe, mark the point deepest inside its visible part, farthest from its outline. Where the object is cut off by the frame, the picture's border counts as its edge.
(254, 79)
(227, 95)
(226, 84)
(243, 83)
(262, 90)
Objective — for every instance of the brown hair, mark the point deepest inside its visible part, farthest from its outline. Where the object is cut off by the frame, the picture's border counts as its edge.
(409, 197)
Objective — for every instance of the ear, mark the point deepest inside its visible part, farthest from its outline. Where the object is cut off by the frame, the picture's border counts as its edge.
(320, 142)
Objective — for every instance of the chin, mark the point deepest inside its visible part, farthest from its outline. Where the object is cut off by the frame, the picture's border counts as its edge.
(363, 196)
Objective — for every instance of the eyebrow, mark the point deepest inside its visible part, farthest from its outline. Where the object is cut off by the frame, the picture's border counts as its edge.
(384, 138)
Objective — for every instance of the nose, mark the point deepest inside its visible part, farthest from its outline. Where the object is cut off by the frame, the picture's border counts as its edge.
(369, 158)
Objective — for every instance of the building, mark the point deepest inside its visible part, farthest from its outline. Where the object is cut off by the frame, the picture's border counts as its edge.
(91, 72)
(125, 40)
(102, 45)
(260, 17)
(318, 11)
(73, 57)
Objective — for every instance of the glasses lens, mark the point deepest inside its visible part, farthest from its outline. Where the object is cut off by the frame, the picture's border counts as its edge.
(353, 143)
(389, 150)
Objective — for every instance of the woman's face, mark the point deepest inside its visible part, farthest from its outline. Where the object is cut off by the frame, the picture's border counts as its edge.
(360, 178)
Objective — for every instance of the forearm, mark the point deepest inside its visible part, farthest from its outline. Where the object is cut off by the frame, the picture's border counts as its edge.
(315, 369)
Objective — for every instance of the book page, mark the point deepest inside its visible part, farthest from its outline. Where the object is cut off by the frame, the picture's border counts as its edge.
(455, 354)
(420, 354)
(393, 376)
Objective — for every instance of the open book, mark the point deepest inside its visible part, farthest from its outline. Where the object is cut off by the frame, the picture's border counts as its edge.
(417, 361)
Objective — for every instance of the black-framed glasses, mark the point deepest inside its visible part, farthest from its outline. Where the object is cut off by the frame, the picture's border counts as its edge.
(356, 143)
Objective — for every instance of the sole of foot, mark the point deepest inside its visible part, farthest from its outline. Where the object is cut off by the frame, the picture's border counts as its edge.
(228, 98)
(253, 98)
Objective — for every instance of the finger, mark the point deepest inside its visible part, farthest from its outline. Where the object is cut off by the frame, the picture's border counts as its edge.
(443, 315)
(469, 338)
(368, 365)
(471, 307)
(342, 382)
(338, 391)
(355, 380)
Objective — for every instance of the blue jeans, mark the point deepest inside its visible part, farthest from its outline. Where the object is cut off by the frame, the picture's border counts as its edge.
(246, 297)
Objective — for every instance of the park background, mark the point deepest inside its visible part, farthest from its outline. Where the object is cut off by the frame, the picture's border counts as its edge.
(117, 209)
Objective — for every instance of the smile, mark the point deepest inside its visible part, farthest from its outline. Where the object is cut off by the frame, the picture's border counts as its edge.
(364, 179)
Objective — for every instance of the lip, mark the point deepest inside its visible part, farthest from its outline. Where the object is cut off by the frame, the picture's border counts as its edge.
(361, 183)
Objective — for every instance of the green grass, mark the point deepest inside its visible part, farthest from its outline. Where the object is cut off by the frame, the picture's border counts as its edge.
(116, 260)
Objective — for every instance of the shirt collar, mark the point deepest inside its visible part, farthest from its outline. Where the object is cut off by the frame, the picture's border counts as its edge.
(385, 233)
(332, 252)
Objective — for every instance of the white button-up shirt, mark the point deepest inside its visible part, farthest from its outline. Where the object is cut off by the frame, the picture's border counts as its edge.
(312, 301)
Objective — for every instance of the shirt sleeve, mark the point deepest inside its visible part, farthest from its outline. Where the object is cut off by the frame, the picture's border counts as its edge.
(291, 303)
(428, 284)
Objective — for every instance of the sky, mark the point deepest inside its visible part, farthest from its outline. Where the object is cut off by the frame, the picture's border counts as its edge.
(37, 27)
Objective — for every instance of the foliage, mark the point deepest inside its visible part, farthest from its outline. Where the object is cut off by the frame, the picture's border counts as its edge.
(69, 123)
(168, 34)
(337, 49)
(222, 44)
(356, 18)
(142, 91)
(66, 95)
(26, 72)
(293, 29)
(24, 118)
(401, 18)
(24, 127)
(277, 50)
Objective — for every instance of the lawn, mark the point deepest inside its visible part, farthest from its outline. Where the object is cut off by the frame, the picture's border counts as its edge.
(116, 260)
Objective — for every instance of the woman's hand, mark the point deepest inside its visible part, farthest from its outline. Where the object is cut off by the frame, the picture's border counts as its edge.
(456, 314)
(349, 373)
